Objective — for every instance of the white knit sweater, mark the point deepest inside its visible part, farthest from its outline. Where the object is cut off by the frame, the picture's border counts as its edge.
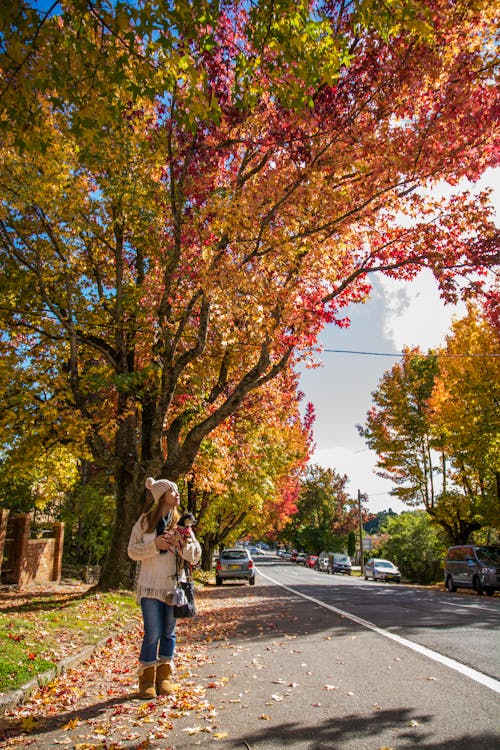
(157, 577)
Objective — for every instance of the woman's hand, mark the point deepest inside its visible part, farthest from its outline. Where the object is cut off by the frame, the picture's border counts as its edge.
(167, 541)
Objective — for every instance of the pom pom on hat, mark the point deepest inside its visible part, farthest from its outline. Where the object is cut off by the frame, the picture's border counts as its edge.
(159, 487)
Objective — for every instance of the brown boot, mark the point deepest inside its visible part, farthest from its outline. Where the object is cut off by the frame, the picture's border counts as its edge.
(164, 683)
(147, 678)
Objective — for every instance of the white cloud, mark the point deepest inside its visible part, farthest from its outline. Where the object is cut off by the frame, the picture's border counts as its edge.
(398, 314)
(415, 313)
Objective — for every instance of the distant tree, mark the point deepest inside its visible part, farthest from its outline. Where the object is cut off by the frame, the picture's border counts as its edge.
(372, 526)
(246, 477)
(325, 512)
(88, 515)
(38, 478)
(351, 543)
(415, 545)
(398, 428)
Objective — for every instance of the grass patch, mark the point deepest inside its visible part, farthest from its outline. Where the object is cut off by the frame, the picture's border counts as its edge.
(38, 632)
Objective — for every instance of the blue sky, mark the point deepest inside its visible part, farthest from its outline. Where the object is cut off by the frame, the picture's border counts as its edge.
(397, 315)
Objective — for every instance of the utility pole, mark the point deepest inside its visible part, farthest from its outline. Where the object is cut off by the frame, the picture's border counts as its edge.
(360, 522)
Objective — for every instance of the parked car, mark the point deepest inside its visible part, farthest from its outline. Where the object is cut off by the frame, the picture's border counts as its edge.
(234, 564)
(286, 555)
(381, 570)
(324, 561)
(301, 558)
(311, 561)
(339, 563)
(474, 567)
(294, 554)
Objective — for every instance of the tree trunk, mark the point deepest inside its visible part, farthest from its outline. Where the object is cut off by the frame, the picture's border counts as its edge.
(207, 554)
(119, 570)
(458, 533)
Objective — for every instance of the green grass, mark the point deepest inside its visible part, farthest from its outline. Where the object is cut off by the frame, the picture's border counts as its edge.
(40, 631)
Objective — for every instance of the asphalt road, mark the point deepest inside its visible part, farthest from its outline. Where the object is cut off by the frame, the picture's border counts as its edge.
(307, 661)
(329, 663)
(463, 627)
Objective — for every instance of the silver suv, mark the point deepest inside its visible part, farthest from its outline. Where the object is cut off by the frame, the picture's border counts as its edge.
(474, 567)
(234, 564)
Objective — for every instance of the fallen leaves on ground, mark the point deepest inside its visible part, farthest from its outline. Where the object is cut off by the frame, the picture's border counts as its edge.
(95, 705)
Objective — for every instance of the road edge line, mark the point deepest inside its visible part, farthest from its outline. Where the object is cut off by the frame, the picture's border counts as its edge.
(473, 674)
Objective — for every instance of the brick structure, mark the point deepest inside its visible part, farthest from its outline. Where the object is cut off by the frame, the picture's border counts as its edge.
(33, 560)
(4, 517)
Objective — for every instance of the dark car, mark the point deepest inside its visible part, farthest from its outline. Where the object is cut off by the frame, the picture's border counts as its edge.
(473, 567)
(339, 563)
(234, 564)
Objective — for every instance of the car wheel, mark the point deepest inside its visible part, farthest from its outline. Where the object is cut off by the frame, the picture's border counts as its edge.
(218, 581)
(366, 578)
(252, 581)
(477, 586)
(489, 591)
(450, 585)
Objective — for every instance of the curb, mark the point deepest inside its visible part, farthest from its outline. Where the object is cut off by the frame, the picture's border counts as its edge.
(18, 696)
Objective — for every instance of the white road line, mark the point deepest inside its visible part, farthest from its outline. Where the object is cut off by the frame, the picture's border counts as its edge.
(473, 674)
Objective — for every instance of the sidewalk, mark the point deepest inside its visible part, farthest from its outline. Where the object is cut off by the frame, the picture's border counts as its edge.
(259, 670)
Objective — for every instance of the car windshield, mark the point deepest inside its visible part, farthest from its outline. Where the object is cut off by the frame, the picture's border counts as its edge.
(234, 554)
(489, 554)
(341, 558)
(383, 564)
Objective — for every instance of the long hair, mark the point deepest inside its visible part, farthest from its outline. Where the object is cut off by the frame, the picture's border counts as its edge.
(152, 516)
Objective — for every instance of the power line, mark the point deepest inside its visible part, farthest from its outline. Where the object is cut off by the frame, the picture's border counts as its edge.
(408, 354)
(132, 328)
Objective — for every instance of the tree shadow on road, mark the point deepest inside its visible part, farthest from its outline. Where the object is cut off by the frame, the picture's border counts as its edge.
(385, 728)
(312, 617)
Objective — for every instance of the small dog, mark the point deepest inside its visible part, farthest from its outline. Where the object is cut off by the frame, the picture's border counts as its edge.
(184, 524)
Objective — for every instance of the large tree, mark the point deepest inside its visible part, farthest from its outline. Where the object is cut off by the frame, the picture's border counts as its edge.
(398, 427)
(434, 425)
(245, 479)
(465, 408)
(191, 191)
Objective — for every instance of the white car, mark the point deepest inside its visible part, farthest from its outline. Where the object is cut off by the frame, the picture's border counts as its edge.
(381, 570)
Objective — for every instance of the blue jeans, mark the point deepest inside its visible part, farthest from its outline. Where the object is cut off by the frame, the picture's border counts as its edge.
(159, 628)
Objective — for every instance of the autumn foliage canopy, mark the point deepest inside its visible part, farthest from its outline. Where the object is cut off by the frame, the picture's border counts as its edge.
(191, 191)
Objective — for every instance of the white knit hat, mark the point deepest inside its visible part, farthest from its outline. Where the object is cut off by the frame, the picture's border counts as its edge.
(159, 487)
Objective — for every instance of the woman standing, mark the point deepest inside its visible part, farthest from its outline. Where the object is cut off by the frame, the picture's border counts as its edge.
(161, 550)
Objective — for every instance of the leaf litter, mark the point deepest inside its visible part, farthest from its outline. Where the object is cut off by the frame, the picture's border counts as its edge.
(95, 706)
